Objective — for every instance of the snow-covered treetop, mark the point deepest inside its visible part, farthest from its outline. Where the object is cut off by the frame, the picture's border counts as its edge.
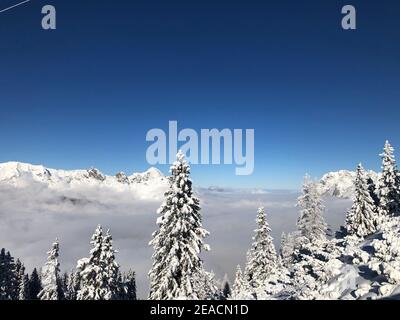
(388, 152)
(263, 228)
(388, 186)
(50, 273)
(311, 222)
(362, 219)
(177, 269)
(100, 272)
(54, 252)
(389, 167)
(262, 257)
(180, 171)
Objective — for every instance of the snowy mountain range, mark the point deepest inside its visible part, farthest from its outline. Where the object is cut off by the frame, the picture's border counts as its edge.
(20, 175)
(338, 184)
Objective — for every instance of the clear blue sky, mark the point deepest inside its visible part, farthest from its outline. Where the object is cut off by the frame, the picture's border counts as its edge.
(319, 98)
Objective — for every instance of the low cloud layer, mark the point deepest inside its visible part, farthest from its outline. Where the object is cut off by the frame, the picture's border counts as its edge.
(31, 218)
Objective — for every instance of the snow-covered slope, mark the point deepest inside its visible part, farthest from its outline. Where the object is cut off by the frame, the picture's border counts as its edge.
(21, 175)
(372, 268)
(341, 183)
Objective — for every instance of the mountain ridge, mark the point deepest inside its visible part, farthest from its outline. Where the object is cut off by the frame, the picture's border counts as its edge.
(13, 170)
(338, 184)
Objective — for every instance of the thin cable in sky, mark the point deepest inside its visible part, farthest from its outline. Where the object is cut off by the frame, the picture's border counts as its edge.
(15, 5)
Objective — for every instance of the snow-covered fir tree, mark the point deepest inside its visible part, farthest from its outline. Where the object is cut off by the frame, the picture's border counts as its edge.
(71, 291)
(241, 288)
(3, 271)
(19, 276)
(111, 266)
(388, 189)
(50, 274)
(129, 286)
(207, 286)
(311, 246)
(288, 246)
(23, 282)
(8, 276)
(262, 257)
(239, 280)
(99, 273)
(24, 288)
(179, 240)
(362, 219)
(311, 222)
(91, 272)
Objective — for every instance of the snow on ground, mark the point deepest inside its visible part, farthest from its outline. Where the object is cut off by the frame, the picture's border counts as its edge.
(371, 269)
(39, 204)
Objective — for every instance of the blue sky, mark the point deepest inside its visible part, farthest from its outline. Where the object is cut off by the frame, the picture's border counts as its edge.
(319, 98)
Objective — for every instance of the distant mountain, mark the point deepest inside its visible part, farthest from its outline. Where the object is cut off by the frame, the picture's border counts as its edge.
(151, 183)
(341, 183)
(217, 189)
(147, 184)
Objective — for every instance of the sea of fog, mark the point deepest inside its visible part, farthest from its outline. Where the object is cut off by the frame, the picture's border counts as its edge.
(31, 219)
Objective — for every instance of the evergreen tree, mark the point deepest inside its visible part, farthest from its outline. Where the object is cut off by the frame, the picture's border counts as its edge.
(71, 291)
(90, 270)
(179, 240)
(388, 190)
(50, 275)
(13, 276)
(19, 272)
(288, 247)
(311, 222)
(129, 286)
(23, 281)
(372, 191)
(35, 285)
(121, 286)
(24, 288)
(62, 283)
(8, 277)
(238, 285)
(226, 291)
(76, 283)
(13, 283)
(241, 289)
(99, 273)
(262, 257)
(207, 287)
(4, 274)
(226, 288)
(3, 270)
(111, 267)
(362, 218)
